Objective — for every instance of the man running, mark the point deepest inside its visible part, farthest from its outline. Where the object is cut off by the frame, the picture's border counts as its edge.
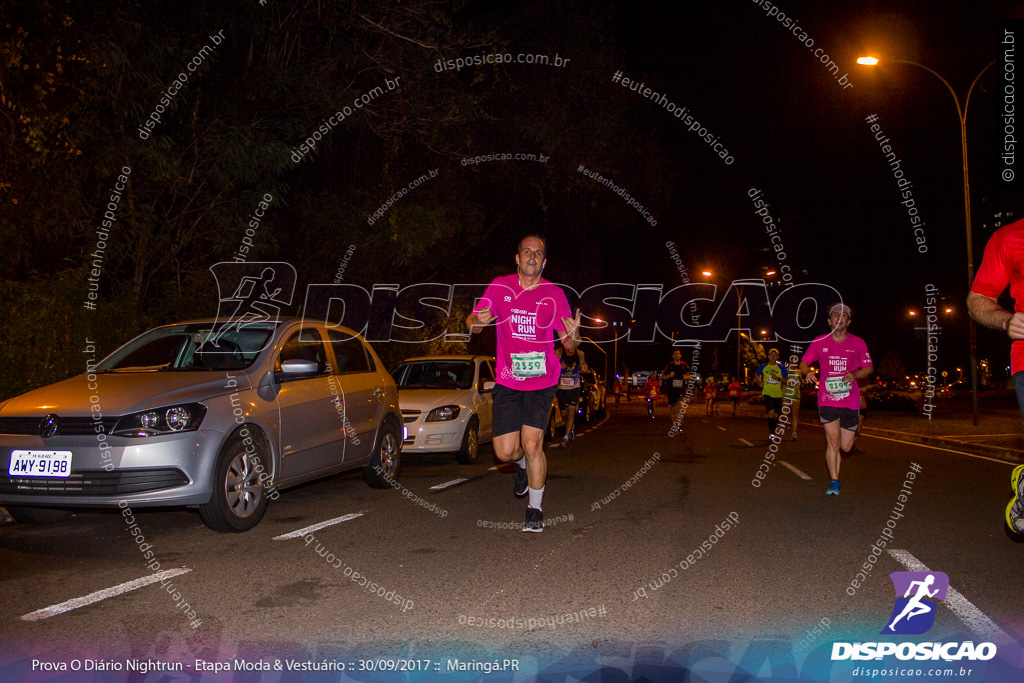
(769, 378)
(1001, 267)
(734, 394)
(570, 361)
(843, 359)
(527, 310)
(672, 379)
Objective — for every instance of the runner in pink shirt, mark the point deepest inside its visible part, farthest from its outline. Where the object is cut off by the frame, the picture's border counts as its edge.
(843, 358)
(528, 312)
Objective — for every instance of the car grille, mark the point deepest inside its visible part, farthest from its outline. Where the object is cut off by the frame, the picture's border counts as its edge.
(411, 415)
(94, 483)
(69, 426)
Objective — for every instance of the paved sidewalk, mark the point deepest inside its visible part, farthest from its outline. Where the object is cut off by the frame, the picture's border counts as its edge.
(999, 433)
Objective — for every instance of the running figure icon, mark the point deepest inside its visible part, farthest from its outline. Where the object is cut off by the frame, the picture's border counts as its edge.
(915, 606)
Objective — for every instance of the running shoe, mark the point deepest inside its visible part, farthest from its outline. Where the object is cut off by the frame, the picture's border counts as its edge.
(833, 488)
(522, 482)
(794, 436)
(565, 441)
(534, 520)
(572, 434)
(1015, 508)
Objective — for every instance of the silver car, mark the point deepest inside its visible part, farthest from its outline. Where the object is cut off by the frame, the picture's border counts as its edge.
(446, 403)
(217, 415)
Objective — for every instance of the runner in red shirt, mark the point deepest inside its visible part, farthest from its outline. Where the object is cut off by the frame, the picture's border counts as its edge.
(1003, 265)
(528, 311)
(734, 394)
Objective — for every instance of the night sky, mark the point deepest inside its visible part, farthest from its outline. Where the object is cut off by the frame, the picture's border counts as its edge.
(802, 139)
(796, 135)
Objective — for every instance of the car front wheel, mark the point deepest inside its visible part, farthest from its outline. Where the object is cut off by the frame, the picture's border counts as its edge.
(470, 451)
(239, 499)
(382, 469)
(551, 433)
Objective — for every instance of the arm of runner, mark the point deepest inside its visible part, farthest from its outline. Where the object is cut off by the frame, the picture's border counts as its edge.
(570, 334)
(477, 321)
(987, 312)
(808, 372)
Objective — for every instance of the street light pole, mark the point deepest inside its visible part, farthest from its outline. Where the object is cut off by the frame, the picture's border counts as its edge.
(962, 115)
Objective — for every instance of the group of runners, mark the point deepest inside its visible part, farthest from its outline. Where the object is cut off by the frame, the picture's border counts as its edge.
(530, 314)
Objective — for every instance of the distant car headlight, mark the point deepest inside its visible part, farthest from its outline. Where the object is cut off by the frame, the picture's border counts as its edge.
(167, 420)
(443, 414)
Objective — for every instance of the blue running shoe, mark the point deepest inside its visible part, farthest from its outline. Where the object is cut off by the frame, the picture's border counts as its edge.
(833, 488)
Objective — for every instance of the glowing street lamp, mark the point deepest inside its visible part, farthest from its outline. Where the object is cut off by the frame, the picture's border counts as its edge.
(962, 115)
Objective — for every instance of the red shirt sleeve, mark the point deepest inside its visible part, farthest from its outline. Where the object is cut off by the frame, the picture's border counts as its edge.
(994, 274)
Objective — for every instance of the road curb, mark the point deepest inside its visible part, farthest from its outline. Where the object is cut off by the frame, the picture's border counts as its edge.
(1006, 454)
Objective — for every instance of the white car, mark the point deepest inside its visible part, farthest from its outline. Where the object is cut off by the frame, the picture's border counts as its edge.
(446, 404)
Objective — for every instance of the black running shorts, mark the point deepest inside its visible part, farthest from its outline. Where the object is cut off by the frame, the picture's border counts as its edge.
(848, 418)
(515, 409)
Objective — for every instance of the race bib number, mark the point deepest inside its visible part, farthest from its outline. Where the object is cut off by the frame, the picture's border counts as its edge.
(567, 383)
(677, 384)
(837, 388)
(526, 365)
(771, 379)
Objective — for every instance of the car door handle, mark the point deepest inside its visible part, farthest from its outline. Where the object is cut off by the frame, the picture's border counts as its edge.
(336, 400)
(378, 391)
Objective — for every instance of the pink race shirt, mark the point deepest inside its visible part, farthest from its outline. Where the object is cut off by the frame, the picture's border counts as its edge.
(835, 360)
(526, 320)
(1002, 265)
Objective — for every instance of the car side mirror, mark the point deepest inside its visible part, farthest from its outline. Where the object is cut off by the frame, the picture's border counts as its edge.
(296, 369)
(488, 386)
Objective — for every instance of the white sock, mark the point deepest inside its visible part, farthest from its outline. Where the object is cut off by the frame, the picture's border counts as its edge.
(536, 498)
(522, 462)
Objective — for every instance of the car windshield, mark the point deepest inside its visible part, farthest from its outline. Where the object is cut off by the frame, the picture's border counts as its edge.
(434, 374)
(192, 347)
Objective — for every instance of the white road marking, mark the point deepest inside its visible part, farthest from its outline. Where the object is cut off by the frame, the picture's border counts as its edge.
(722, 428)
(316, 527)
(798, 472)
(447, 484)
(113, 591)
(964, 609)
(746, 442)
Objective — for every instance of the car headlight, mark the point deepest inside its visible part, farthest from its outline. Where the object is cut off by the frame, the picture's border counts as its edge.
(185, 417)
(443, 414)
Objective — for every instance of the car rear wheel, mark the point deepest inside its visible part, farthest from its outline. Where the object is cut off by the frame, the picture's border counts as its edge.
(470, 451)
(239, 500)
(382, 469)
(31, 515)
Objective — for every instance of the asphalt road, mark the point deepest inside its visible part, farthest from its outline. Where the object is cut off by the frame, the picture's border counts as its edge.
(621, 578)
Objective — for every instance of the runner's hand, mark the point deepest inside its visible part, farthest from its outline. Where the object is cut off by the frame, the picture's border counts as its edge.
(572, 326)
(484, 316)
(810, 377)
(1015, 327)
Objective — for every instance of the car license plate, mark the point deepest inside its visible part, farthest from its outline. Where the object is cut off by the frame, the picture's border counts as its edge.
(40, 464)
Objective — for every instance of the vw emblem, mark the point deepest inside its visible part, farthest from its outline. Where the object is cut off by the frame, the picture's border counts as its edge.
(48, 426)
